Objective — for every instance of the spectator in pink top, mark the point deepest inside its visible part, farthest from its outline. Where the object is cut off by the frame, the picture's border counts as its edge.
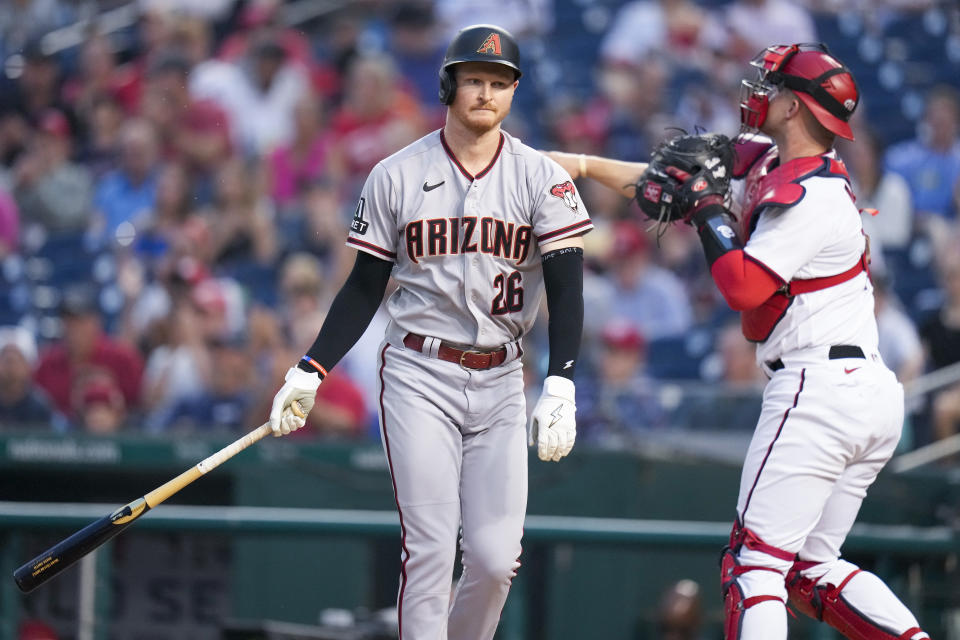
(295, 165)
(9, 224)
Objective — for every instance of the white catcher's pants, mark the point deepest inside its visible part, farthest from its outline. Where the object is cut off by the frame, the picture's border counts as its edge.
(826, 430)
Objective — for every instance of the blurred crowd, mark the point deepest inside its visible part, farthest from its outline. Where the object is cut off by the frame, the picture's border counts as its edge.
(175, 193)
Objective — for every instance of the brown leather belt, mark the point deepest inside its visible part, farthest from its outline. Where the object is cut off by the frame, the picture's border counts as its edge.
(465, 358)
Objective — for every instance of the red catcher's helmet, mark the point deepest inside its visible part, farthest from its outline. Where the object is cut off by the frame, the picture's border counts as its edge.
(818, 79)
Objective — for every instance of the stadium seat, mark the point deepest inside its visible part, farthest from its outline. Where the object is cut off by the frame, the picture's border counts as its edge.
(913, 277)
(679, 357)
(62, 259)
(258, 281)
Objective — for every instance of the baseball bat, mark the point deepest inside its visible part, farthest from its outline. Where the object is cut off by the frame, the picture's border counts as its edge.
(63, 554)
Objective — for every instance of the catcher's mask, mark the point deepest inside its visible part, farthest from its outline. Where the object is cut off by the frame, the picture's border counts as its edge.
(477, 43)
(818, 79)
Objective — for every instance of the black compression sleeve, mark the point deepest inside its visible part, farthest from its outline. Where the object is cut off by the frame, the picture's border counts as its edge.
(350, 313)
(716, 228)
(563, 280)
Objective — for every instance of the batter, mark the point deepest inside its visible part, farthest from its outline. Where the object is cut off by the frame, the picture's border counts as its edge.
(474, 226)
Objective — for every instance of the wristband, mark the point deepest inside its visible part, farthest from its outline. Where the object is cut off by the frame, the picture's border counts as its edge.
(582, 165)
(715, 226)
(701, 204)
(310, 365)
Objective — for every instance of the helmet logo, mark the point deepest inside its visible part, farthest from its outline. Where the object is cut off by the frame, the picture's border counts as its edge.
(849, 104)
(699, 185)
(491, 45)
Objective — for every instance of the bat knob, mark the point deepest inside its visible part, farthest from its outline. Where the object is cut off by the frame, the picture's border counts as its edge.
(297, 409)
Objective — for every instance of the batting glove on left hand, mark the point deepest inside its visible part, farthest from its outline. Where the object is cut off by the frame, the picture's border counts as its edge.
(553, 424)
(300, 386)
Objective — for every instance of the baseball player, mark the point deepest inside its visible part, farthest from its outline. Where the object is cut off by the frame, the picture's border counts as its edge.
(832, 411)
(474, 226)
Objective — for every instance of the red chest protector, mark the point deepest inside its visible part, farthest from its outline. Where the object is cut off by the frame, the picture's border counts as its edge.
(768, 185)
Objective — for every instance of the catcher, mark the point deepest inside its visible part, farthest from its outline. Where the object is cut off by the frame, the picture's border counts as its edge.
(793, 261)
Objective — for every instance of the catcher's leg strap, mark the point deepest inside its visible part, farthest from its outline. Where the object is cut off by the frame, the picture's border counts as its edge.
(741, 536)
(824, 600)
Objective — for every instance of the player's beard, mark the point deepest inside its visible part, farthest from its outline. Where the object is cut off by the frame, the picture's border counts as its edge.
(481, 127)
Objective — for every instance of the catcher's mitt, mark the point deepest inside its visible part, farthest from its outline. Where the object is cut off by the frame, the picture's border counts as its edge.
(682, 171)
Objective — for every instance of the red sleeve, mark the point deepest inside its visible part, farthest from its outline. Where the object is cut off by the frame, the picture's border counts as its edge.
(54, 375)
(127, 365)
(744, 282)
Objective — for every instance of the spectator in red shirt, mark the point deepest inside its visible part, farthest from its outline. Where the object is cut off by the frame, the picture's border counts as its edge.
(377, 116)
(86, 351)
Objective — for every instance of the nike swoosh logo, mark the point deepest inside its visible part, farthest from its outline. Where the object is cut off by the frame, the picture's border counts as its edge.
(845, 370)
(431, 187)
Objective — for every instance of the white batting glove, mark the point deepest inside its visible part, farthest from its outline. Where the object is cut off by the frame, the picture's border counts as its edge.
(553, 424)
(301, 387)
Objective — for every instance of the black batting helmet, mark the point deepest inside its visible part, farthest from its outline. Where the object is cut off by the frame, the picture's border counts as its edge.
(477, 43)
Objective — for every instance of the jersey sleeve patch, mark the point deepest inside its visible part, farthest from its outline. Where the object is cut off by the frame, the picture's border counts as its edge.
(358, 224)
(567, 193)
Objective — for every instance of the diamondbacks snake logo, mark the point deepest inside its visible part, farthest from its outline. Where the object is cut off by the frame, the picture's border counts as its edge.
(566, 192)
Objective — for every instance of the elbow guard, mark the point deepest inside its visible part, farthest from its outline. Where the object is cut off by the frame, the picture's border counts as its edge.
(715, 226)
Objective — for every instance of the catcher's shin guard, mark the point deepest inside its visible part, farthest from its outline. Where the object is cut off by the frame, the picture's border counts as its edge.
(824, 601)
(735, 601)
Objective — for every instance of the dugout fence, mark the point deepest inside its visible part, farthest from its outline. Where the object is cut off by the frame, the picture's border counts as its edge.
(891, 546)
(307, 526)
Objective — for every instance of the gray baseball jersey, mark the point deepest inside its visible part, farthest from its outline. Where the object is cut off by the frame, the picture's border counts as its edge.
(466, 247)
(467, 254)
